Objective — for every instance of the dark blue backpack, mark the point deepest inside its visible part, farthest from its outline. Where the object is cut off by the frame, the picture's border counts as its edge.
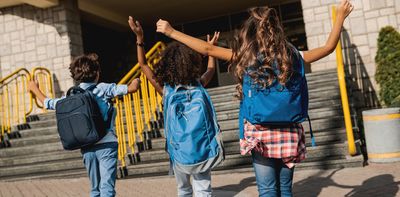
(79, 119)
(193, 137)
(275, 104)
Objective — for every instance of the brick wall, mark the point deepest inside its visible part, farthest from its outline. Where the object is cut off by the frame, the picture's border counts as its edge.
(359, 39)
(31, 36)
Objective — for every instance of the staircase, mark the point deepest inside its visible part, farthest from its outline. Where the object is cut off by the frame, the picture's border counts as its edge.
(39, 154)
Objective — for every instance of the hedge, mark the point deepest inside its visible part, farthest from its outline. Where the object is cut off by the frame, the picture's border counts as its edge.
(388, 65)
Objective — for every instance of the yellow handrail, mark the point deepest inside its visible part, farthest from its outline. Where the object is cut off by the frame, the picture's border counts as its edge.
(16, 103)
(145, 103)
(12, 88)
(343, 93)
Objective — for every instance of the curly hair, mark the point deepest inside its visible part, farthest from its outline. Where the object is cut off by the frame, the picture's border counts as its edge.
(179, 65)
(261, 34)
(85, 68)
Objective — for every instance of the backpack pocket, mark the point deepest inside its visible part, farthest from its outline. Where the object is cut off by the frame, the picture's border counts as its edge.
(189, 128)
(278, 107)
(76, 130)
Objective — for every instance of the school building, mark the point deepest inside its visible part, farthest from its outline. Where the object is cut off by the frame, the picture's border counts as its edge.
(50, 32)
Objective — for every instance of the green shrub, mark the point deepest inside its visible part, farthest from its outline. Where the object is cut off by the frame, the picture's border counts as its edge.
(388, 64)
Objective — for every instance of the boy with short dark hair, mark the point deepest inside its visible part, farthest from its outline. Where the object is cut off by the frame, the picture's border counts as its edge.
(100, 159)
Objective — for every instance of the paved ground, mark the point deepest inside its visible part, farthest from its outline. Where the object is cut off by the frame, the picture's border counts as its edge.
(381, 180)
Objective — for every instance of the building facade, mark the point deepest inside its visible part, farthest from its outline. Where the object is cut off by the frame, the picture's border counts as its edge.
(51, 32)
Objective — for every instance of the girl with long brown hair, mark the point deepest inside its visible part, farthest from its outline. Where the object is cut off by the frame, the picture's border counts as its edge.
(179, 67)
(262, 48)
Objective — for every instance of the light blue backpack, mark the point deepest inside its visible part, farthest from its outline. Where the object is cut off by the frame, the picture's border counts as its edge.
(193, 137)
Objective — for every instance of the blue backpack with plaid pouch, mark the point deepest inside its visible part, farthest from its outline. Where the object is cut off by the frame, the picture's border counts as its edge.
(193, 137)
(276, 104)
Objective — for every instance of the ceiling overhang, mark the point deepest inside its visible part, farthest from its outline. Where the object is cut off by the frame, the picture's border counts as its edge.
(36, 3)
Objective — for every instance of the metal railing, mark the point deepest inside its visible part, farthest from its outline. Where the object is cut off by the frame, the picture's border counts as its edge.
(343, 93)
(139, 114)
(16, 103)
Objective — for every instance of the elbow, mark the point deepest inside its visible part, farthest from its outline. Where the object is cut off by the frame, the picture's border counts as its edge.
(330, 48)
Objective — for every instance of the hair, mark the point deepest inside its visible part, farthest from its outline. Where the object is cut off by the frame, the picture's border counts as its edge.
(85, 68)
(178, 65)
(261, 34)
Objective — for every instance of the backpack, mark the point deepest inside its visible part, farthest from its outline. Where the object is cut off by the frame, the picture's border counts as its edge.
(193, 136)
(276, 104)
(79, 119)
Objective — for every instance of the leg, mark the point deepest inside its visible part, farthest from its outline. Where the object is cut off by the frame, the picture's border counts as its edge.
(183, 184)
(286, 179)
(107, 155)
(92, 167)
(266, 175)
(202, 184)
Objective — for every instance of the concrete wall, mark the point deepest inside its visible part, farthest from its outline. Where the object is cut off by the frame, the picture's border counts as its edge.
(359, 39)
(31, 37)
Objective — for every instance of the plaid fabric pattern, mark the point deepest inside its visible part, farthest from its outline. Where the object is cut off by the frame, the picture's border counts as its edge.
(287, 143)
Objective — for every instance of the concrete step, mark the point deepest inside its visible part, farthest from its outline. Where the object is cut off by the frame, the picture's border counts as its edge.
(40, 168)
(60, 174)
(43, 124)
(49, 130)
(164, 166)
(232, 148)
(29, 150)
(27, 141)
(151, 157)
(40, 158)
(238, 161)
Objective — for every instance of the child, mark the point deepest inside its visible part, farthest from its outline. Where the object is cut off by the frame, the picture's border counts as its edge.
(179, 65)
(260, 52)
(99, 159)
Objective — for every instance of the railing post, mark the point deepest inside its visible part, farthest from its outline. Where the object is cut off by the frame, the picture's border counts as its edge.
(343, 94)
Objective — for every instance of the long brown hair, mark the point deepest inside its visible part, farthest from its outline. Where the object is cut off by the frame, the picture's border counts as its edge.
(261, 34)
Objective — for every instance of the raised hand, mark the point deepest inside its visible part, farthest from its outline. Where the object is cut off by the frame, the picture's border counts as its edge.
(134, 85)
(164, 27)
(32, 86)
(214, 39)
(345, 8)
(135, 27)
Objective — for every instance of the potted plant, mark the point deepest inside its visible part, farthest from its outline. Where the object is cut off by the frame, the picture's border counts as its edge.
(382, 126)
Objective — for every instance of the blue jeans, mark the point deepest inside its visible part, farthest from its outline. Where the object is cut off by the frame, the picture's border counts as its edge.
(101, 164)
(273, 177)
(201, 184)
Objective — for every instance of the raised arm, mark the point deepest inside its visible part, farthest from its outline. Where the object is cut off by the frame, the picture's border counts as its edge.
(34, 88)
(138, 30)
(207, 76)
(194, 43)
(343, 11)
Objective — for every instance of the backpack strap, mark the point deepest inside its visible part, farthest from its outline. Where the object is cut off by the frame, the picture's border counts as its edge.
(313, 144)
(241, 122)
(91, 87)
(75, 90)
